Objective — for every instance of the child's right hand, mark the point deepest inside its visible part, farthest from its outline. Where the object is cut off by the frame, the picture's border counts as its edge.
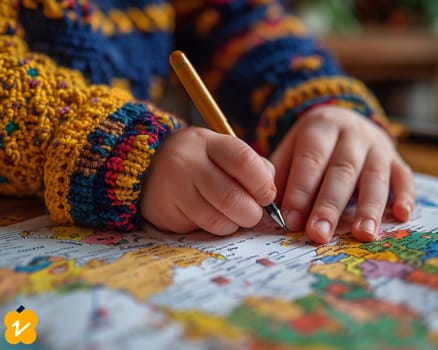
(202, 179)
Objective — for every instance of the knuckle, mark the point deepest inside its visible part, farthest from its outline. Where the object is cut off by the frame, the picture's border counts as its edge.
(297, 198)
(244, 157)
(373, 207)
(378, 173)
(328, 209)
(327, 117)
(345, 169)
(323, 115)
(219, 225)
(313, 158)
(265, 194)
(231, 198)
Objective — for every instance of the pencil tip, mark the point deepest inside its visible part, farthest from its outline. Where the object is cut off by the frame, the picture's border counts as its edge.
(280, 221)
(275, 213)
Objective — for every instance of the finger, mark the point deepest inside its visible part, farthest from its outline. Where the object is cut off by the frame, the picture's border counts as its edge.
(281, 158)
(311, 155)
(176, 221)
(197, 210)
(269, 166)
(336, 189)
(242, 163)
(228, 197)
(373, 195)
(190, 212)
(403, 187)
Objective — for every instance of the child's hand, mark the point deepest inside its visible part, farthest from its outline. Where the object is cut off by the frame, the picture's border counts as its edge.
(202, 179)
(329, 153)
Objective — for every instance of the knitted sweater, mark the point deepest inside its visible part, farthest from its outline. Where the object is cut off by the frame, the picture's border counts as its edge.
(75, 76)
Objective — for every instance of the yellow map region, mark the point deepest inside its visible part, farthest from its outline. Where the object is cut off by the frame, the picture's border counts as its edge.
(279, 309)
(9, 290)
(141, 273)
(59, 273)
(353, 248)
(71, 233)
(337, 271)
(199, 325)
(144, 272)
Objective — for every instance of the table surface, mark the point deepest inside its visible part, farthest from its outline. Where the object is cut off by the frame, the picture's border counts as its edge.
(395, 55)
(421, 157)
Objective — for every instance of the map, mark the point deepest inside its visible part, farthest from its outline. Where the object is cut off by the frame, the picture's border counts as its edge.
(256, 289)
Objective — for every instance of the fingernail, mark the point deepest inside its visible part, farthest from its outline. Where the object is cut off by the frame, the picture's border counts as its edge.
(324, 229)
(294, 220)
(368, 226)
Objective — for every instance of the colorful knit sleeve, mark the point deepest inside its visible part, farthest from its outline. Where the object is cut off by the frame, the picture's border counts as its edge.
(264, 68)
(84, 147)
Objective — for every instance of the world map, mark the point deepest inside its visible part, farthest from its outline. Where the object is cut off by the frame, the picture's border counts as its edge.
(256, 289)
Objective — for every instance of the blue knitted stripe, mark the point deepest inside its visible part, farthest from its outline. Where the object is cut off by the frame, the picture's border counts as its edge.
(88, 196)
(236, 17)
(134, 56)
(84, 207)
(269, 63)
(123, 5)
(115, 216)
(148, 60)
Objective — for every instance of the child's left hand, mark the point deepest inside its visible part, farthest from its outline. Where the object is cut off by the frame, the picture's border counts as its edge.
(329, 153)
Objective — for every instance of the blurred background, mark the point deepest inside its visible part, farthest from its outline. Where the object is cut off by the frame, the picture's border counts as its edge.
(391, 45)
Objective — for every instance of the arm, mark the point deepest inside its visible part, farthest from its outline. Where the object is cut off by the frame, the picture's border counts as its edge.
(89, 148)
(85, 147)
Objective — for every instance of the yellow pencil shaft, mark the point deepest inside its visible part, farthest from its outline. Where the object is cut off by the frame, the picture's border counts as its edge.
(199, 93)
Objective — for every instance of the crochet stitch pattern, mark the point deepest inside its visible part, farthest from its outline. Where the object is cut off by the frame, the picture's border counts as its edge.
(75, 76)
(91, 143)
